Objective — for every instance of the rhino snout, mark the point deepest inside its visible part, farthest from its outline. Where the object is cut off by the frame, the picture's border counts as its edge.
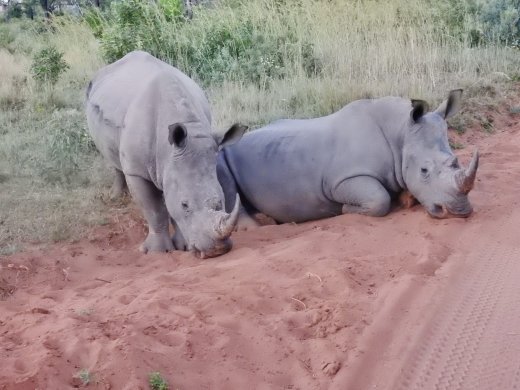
(444, 211)
(220, 248)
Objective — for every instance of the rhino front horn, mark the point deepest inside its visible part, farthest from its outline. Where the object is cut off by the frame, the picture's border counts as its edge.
(466, 179)
(229, 221)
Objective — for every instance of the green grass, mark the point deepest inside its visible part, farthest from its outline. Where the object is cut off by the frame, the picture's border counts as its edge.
(319, 55)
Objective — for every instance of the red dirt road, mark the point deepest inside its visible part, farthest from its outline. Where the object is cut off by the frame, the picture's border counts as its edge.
(352, 302)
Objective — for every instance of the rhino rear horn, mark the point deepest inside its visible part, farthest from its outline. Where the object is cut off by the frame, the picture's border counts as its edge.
(419, 108)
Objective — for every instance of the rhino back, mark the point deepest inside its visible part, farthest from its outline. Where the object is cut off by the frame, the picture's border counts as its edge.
(288, 169)
(116, 86)
(133, 101)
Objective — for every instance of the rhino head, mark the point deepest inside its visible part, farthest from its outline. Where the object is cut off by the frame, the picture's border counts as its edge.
(431, 171)
(192, 193)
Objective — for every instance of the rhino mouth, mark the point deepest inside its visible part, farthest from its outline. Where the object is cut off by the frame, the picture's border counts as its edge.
(442, 211)
(219, 249)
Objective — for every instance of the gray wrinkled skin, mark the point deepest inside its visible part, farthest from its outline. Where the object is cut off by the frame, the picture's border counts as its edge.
(152, 123)
(353, 161)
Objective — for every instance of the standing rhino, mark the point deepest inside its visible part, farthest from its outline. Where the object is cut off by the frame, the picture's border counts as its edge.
(152, 123)
(353, 161)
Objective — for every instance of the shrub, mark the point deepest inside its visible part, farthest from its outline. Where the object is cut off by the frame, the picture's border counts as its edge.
(47, 66)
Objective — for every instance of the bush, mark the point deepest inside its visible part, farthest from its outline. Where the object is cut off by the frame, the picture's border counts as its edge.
(131, 25)
(172, 9)
(240, 50)
(500, 21)
(67, 146)
(47, 66)
(226, 43)
(94, 19)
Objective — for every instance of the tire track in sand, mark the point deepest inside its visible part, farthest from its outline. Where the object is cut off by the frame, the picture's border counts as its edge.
(473, 340)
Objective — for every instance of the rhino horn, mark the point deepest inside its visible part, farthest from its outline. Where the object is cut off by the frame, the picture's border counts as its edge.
(229, 221)
(466, 179)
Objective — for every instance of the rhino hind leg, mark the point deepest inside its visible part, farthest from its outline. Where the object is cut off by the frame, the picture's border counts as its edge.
(119, 188)
(363, 195)
(151, 202)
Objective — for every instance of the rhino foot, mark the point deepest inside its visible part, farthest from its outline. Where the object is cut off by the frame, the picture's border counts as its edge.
(157, 242)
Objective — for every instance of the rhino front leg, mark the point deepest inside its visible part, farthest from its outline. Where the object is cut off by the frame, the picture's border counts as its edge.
(363, 195)
(151, 202)
(119, 187)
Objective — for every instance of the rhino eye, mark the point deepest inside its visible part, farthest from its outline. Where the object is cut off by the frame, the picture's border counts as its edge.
(424, 171)
(185, 205)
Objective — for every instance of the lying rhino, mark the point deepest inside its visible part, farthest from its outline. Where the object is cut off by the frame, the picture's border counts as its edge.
(153, 125)
(353, 161)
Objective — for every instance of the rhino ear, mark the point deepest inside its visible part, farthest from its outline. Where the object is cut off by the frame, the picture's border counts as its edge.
(450, 106)
(419, 108)
(234, 133)
(177, 135)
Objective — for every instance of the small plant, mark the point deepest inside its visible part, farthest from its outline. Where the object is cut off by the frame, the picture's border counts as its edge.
(68, 144)
(172, 9)
(84, 311)
(456, 145)
(47, 66)
(157, 382)
(6, 37)
(84, 376)
(459, 123)
(487, 125)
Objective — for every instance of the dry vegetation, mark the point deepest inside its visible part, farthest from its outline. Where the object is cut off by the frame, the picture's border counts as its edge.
(52, 182)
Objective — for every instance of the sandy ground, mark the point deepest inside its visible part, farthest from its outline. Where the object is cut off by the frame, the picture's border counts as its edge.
(338, 303)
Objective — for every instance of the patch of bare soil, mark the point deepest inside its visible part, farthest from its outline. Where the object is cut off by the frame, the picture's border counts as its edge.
(313, 306)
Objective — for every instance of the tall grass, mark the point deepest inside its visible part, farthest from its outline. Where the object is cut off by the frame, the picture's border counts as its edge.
(50, 178)
(259, 60)
(366, 48)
